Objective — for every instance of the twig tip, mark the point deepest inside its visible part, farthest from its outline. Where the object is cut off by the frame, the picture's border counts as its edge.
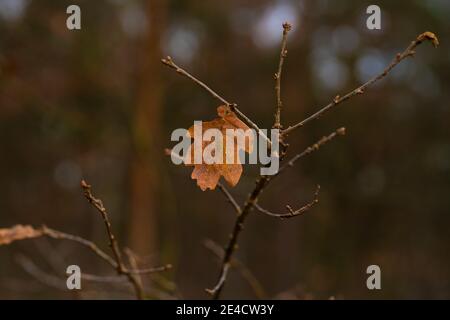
(340, 131)
(84, 184)
(428, 35)
(167, 60)
(287, 26)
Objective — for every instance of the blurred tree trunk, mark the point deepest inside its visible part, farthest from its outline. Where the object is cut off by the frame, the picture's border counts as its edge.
(147, 152)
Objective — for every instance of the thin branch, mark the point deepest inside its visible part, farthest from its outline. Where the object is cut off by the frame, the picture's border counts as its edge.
(98, 204)
(291, 213)
(22, 232)
(233, 106)
(283, 54)
(151, 270)
(215, 292)
(121, 269)
(232, 243)
(252, 199)
(243, 270)
(133, 264)
(229, 197)
(262, 181)
(170, 63)
(316, 146)
(55, 234)
(409, 52)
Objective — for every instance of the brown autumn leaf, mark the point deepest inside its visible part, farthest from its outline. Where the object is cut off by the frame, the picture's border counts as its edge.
(208, 175)
(18, 232)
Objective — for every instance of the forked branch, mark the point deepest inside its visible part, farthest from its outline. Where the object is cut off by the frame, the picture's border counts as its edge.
(408, 52)
(98, 204)
(20, 232)
(291, 212)
(263, 181)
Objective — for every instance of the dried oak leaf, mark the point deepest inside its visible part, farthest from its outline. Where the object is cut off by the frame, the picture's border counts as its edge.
(208, 175)
(18, 232)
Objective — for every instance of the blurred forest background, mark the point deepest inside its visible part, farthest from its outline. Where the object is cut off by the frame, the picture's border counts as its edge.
(98, 104)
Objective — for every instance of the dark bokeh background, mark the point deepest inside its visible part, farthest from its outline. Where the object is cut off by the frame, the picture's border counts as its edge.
(97, 104)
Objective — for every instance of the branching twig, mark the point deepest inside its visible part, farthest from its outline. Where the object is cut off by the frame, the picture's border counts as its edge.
(262, 181)
(59, 235)
(133, 264)
(232, 243)
(151, 270)
(409, 51)
(130, 274)
(121, 269)
(98, 204)
(292, 213)
(251, 201)
(21, 232)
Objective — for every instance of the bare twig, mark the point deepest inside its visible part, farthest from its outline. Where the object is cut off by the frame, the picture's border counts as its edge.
(243, 270)
(233, 106)
(151, 270)
(251, 202)
(283, 54)
(121, 269)
(22, 232)
(263, 181)
(232, 243)
(291, 213)
(170, 63)
(128, 273)
(409, 52)
(133, 264)
(55, 234)
(98, 204)
(229, 197)
(316, 146)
